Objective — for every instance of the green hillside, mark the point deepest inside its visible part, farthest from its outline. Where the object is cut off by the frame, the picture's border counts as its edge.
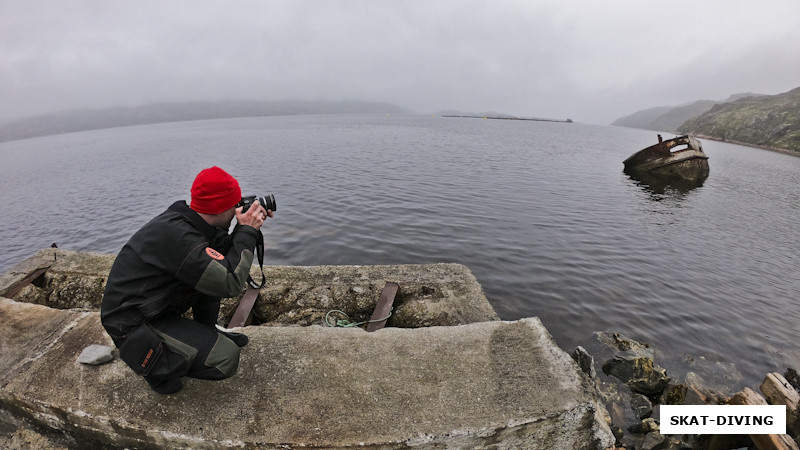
(669, 118)
(765, 121)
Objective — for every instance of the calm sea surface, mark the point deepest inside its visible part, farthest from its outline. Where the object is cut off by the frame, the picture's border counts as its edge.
(540, 212)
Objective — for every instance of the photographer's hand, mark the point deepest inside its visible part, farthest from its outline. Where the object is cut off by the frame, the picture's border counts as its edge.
(254, 216)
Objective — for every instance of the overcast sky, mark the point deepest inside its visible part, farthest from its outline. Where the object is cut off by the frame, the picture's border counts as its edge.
(589, 60)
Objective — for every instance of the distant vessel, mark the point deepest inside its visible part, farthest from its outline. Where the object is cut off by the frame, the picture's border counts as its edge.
(689, 163)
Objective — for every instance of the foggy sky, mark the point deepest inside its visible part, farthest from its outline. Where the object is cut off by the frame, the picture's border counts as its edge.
(588, 60)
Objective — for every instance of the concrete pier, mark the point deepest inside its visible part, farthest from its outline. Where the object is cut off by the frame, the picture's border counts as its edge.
(487, 384)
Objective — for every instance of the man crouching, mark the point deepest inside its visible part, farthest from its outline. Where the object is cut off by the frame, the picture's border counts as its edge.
(184, 258)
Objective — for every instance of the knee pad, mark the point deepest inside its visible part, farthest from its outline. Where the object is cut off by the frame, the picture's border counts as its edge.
(224, 356)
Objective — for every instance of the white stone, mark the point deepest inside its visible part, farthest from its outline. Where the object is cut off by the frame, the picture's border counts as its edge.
(96, 354)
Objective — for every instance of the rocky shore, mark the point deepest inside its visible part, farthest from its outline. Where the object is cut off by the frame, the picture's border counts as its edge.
(632, 386)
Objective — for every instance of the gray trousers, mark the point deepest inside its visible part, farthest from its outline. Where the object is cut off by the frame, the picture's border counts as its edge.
(198, 349)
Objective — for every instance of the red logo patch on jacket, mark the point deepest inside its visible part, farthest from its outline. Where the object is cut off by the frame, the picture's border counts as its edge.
(214, 254)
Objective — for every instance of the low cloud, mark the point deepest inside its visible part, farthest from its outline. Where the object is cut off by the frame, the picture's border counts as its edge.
(590, 61)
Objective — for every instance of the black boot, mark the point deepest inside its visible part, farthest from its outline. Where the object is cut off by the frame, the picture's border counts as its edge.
(238, 338)
(168, 386)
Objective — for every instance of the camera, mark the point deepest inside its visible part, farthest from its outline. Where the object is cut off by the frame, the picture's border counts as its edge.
(267, 201)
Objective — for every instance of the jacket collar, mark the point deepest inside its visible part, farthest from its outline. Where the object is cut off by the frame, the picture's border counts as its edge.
(180, 207)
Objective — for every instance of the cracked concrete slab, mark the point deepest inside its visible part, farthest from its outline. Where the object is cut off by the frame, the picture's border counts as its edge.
(491, 384)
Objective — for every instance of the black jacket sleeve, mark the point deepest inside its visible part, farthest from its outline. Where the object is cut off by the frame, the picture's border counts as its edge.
(220, 270)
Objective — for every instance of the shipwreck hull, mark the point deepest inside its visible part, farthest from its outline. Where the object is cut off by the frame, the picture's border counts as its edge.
(689, 166)
(661, 162)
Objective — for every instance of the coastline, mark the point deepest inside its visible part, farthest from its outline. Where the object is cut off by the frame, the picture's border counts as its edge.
(746, 144)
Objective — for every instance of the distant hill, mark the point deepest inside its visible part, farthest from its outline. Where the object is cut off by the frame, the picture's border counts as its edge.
(765, 121)
(93, 119)
(495, 115)
(669, 118)
(644, 118)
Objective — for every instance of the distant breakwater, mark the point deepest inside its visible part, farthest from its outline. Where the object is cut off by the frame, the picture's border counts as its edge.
(507, 118)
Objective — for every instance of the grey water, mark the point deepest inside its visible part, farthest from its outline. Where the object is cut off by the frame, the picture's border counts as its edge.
(540, 212)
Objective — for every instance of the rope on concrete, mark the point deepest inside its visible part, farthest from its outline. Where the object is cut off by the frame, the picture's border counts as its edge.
(347, 323)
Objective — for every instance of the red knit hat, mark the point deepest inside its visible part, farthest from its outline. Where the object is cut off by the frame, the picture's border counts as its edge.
(214, 191)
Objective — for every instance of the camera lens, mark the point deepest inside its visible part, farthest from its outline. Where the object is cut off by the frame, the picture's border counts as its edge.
(268, 202)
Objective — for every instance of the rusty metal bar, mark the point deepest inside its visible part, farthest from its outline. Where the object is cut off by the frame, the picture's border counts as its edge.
(243, 314)
(14, 289)
(384, 307)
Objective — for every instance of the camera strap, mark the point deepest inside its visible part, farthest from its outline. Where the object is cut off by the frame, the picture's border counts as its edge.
(260, 255)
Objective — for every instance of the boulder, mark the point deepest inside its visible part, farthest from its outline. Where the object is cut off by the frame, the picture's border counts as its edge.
(638, 372)
(641, 406)
(585, 361)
